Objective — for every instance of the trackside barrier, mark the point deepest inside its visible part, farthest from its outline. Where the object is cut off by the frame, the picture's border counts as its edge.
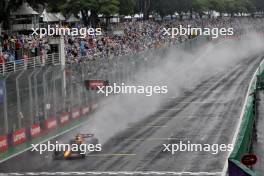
(19, 136)
(85, 110)
(35, 130)
(3, 143)
(244, 137)
(94, 106)
(64, 118)
(75, 113)
(51, 123)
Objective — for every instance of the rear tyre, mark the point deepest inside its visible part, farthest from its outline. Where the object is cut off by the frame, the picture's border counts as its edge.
(83, 156)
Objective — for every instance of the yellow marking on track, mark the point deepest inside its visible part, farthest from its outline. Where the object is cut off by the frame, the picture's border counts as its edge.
(170, 109)
(163, 117)
(156, 126)
(113, 154)
(155, 139)
(150, 126)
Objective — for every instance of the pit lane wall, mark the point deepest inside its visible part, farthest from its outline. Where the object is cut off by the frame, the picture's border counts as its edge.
(244, 137)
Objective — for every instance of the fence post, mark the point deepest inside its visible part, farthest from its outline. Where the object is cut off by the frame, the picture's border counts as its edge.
(72, 102)
(36, 93)
(62, 51)
(31, 97)
(62, 63)
(3, 67)
(45, 92)
(19, 112)
(83, 95)
(14, 65)
(5, 106)
(54, 92)
(52, 58)
(88, 76)
(63, 85)
(34, 61)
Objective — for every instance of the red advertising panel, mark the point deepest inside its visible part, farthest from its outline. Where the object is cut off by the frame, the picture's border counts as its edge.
(35, 130)
(51, 123)
(75, 113)
(94, 106)
(64, 118)
(19, 136)
(95, 84)
(3, 143)
(85, 110)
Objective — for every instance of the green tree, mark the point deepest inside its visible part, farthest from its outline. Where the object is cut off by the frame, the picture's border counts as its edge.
(200, 6)
(217, 5)
(182, 6)
(239, 6)
(95, 7)
(163, 7)
(108, 8)
(259, 5)
(127, 7)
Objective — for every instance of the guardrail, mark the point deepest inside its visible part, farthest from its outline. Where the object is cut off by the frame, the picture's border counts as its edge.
(33, 62)
(244, 134)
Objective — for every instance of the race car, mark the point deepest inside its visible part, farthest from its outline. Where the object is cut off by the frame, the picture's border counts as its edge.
(74, 148)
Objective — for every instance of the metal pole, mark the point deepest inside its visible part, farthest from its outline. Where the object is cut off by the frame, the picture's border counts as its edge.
(5, 106)
(62, 61)
(83, 96)
(71, 90)
(62, 51)
(45, 92)
(36, 93)
(88, 73)
(19, 112)
(31, 97)
(54, 93)
(63, 86)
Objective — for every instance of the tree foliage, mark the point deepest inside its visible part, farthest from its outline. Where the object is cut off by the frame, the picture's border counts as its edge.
(127, 7)
(90, 9)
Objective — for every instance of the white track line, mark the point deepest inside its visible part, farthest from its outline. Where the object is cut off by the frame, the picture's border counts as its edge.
(120, 173)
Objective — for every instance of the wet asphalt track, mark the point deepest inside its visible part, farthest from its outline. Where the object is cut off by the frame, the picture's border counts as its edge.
(208, 114)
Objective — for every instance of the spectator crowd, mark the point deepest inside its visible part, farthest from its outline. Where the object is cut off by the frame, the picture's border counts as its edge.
(128, 38)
